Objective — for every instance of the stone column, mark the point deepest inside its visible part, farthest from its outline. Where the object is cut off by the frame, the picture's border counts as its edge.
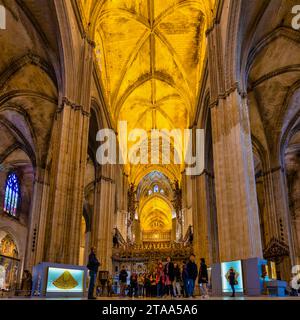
(268, 219)
(282, 209)
(236, 200)
(69, 147)
(237, 212)
(37, 223)
(102, 224)
(294, 204)
(205, 243)
(278, 221)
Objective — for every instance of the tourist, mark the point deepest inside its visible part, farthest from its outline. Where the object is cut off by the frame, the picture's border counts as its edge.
(123, 281)
(133, 285)
(103, 282)
(160, 280)
(141, 285)
(185, 279)
(169, 277)
(109, 286)
(203, 278)
(153, 285)
(232, 281)
(147, 285)
(93, 265)
(192, 273)
(177, 281)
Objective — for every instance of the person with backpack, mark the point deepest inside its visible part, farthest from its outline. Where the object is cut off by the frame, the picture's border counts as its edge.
(93, 265)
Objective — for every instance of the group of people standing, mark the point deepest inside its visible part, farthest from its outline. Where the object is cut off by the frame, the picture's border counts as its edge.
(169, 279)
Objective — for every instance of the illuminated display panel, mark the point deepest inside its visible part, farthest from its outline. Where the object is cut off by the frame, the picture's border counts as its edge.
(64, 280)
(237, 267)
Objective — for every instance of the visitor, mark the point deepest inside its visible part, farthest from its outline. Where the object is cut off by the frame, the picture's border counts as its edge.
(147, 285)
(185, 279)
(160, 280)
(103, 281)
(26, 284)
(177, 281)
(123, 281)
(153, 285)
(93, 265)
(133, 289)
(109, 286)
(169, 277)
(203, 279)
(192, 273)
(232, 281)
(141, 285)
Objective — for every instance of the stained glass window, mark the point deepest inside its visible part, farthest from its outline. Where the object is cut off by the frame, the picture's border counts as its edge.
(12, 194)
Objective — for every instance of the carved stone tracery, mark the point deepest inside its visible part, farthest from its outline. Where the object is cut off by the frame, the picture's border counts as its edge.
(276, 250)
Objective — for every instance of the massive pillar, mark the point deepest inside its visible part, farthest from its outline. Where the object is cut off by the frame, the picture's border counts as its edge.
(279, 242)
(274, 211)
(69, 150)
(103, 220)
(37, 223)
(205, 241)
(237, 211)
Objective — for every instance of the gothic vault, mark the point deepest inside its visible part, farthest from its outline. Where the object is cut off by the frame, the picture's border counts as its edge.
(71, 68)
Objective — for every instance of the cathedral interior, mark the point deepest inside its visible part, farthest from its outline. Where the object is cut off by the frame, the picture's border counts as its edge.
(71, 68)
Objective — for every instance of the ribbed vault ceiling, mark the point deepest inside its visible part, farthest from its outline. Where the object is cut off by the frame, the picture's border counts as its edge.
(156, 214)
(155, 209)
(150, 55)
